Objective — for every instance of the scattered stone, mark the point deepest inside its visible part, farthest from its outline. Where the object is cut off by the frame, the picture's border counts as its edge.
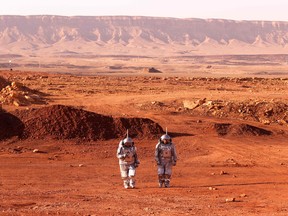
(230, 199)
(223, 172)
(242, 195)
(193, 104)
(81, 165)
(266, 122)
(281, 122)
(157, 103)
(153, 70)
(18, 149)
(146, 209)
(38, 151)
(18, 95)
(212, 188)
(266, 112)
(16, 103)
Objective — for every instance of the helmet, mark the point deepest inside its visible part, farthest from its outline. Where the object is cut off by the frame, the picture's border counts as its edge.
(128, 140)
(165, 137)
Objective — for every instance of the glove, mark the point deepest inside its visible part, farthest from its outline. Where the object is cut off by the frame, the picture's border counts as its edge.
(174, 163)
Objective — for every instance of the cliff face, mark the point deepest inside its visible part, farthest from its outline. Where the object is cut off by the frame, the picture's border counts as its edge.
(26, 34)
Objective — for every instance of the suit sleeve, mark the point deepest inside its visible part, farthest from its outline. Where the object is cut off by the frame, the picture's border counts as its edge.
(157, 159)
(175, 157)
(119, 153)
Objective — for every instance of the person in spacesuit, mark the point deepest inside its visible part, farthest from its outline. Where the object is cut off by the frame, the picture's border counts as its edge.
(128, 161)
(166, 157)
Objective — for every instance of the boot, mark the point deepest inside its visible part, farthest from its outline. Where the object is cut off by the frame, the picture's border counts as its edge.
(132, 183)
(126, 184)
(160, 181)
(167, 181)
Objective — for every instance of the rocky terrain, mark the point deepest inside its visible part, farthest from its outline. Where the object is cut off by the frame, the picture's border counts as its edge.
(58, 157)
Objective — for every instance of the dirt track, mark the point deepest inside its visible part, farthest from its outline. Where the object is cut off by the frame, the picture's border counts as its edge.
(75, 177)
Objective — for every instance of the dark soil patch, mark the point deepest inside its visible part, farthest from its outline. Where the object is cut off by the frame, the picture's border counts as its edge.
(10, 126)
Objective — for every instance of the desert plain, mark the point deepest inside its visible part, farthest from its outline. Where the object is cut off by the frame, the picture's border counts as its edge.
(227, 116)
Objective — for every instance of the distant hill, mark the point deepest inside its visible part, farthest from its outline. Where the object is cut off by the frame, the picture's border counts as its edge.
(123, 35)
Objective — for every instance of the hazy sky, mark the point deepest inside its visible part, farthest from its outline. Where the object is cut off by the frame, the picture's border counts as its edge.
(226, 9)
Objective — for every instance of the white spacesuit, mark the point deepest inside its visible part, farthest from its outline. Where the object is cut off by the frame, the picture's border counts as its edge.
(128, 161)
(166, 157)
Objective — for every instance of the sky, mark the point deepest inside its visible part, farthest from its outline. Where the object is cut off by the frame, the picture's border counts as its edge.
(273, 10)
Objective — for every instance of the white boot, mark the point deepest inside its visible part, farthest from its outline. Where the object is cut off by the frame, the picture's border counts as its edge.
(132, 182)
(126, 184)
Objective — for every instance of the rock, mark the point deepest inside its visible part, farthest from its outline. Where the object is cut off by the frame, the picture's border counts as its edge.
(30, 99)
(223, 172)
(38, 151)
(212, 188)
(265, 122)
(242, 195)
(16, 85)
(146, 209)
(16, 103)
(19, 95)
(193, 105)
(230, 199)
(153, 70)
(281, 122)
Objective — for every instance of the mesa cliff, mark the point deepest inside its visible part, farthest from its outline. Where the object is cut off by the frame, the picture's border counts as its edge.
(127, 35)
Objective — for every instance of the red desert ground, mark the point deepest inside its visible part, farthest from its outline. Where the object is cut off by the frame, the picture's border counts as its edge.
(70, 87)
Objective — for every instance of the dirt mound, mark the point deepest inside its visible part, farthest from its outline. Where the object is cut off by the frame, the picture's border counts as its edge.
(223, 129)
(137, 126)
(64, 122)
(10, 126)
(19, 95)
